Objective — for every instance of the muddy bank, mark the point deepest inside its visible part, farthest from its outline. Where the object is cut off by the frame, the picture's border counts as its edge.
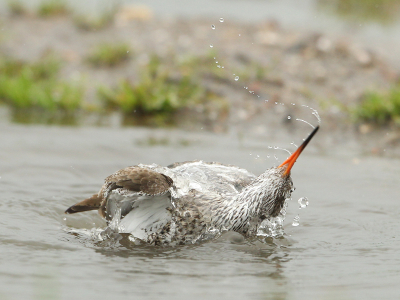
(270, 76)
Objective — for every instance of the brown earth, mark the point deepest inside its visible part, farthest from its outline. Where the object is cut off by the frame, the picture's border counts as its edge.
(296, 69)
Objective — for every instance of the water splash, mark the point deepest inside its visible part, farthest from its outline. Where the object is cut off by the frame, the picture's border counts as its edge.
(306, 122)
(296, 221)
(314, 112)
(303, 202)
(273, 227)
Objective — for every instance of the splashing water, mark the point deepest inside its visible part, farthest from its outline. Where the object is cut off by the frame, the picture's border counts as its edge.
(314, 112)
(305, 122)
(273, 227)
(296, 221)
(303, 202)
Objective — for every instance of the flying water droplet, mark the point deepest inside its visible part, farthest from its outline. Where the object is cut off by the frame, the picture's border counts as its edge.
(296, 221)
(236, 78)
(221, 20)
(269, 147)
(289, 117)
(65, 219)
(211, 45)
(212, 26)
(303, 202)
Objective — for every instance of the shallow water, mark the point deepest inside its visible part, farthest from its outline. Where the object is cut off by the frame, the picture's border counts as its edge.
(345, 247)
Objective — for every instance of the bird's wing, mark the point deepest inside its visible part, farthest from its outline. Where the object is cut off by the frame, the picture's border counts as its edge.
(131, 183)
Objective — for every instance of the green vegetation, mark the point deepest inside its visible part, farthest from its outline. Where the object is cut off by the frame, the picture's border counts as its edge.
(109, 55)
(161, 91)
(382, 11)
(50, 8)
(16, 7)
(34, 87)
(94, 22)
(379, 108)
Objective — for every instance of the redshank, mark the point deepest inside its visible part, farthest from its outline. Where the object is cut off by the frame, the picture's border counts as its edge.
(187, 202)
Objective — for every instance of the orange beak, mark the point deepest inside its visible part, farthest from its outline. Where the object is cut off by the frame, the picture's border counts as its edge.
(292, 158)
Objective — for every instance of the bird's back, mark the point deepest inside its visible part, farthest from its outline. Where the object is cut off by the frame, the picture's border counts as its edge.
(147, 217)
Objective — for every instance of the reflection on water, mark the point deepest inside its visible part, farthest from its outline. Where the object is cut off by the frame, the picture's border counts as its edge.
(381, 11)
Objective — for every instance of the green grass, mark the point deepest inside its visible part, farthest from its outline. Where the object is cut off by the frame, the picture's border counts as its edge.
(35, 86)
(381, 11)
(109, 55)
(162, 90)
(381, 108)
(49, 8)
(16, 8)
(94, 22)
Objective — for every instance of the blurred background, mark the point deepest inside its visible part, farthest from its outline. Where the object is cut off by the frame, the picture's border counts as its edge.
(240, 67)
(89, 87)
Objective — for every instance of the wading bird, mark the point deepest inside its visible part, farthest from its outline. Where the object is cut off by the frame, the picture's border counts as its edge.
(188, 202)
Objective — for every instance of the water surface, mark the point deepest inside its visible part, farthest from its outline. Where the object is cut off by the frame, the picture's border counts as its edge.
(346, 246)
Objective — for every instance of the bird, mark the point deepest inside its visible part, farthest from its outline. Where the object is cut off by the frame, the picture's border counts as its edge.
(189, 202)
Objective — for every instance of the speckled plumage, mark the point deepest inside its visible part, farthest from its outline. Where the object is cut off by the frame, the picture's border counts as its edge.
(191, 201)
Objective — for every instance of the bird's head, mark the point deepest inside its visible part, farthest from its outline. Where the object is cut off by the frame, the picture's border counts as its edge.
(279, 183)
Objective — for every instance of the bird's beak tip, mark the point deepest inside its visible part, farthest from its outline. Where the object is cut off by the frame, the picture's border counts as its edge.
(288, 163)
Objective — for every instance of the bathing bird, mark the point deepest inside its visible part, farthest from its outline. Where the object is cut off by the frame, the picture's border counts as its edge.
(188, 202)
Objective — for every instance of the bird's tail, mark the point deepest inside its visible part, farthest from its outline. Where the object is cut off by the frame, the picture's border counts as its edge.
(91, 203)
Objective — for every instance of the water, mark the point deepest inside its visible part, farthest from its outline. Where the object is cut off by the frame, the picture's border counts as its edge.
(345, 247)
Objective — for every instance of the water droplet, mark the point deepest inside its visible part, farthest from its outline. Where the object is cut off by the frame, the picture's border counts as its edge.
(221, 20)
(212, 26)
(236, 78)
(276, 102)
(266, 100)
(65, 219)
(216, 61)
(218, 66)
(276, 147)
(246, 87)
(296, 221)
(289, 117)
(303, 202)
(239, 34)
(293, 104)
(268, 156)
(211, 45)
(269, 147)
(127, 51)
